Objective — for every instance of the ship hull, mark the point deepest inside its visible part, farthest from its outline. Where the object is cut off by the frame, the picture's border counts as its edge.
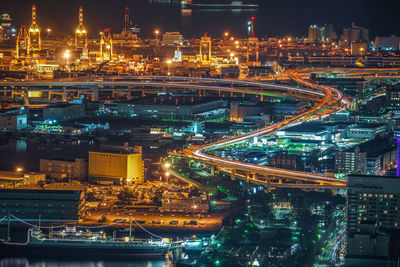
(223, 6)
(81, 250)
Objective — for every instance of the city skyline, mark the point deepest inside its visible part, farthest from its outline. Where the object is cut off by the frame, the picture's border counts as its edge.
(272, 19)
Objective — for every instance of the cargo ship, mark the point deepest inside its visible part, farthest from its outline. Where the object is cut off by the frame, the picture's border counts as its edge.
(221, 4)
(70, 243)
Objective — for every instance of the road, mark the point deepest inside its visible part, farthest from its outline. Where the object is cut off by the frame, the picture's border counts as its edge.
(332, 101)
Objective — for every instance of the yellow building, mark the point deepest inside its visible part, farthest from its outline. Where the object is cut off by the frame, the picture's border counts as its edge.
(118, 167)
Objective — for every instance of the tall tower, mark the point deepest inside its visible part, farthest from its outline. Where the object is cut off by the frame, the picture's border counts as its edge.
(252, 27)
(127, 23)
(22, 42)
(80, 34)
(34, 42)
(205, 49)
(106, 47)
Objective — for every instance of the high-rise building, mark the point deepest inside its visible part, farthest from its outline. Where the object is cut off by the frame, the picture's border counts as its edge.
(353, 35)
(6, 29)
(314, 33)
(373, 199)
(351, 161)
(393, 97)
(321, 33)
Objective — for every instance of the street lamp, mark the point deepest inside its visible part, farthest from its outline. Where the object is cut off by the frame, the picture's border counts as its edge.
(67, 55)
(19, 169)
(169, 62)
(167, 165)
(109, 51)
(156, 32)
(226, 34)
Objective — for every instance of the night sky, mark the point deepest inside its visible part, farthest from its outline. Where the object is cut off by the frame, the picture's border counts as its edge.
(280, 17)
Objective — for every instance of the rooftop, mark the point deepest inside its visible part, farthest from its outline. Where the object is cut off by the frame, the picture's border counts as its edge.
(170, 100)
(306, 127)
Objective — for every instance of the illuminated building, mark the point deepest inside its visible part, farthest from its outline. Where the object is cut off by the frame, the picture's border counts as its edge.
(177, 56)
(374, 157)
(375, 199)
(306, 131)
(80, 33)
(351, 161)
(366, 130)
(6, 29)
(314, 33)
(21, 178)
(34, 41)
(393, 97)
(172, 38)
(122, 167)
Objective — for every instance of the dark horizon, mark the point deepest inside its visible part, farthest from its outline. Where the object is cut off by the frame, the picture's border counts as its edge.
(275, 18)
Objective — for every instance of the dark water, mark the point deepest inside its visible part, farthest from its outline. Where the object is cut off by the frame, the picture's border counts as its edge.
(284, 17)
(24, 262)
(25, 154)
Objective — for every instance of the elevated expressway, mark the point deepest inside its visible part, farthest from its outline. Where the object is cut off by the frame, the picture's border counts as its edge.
(270, 177)
(327, 99)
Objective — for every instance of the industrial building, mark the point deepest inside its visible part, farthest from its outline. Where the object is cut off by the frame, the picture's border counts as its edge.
(195, 205)
(118, 167)
(63, 112)
(172, 38)
(168, 106)
(56, 168)
(20, 177)
(48, 205)
(366, 130)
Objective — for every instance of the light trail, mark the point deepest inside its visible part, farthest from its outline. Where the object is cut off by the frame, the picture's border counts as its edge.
(333, 97)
